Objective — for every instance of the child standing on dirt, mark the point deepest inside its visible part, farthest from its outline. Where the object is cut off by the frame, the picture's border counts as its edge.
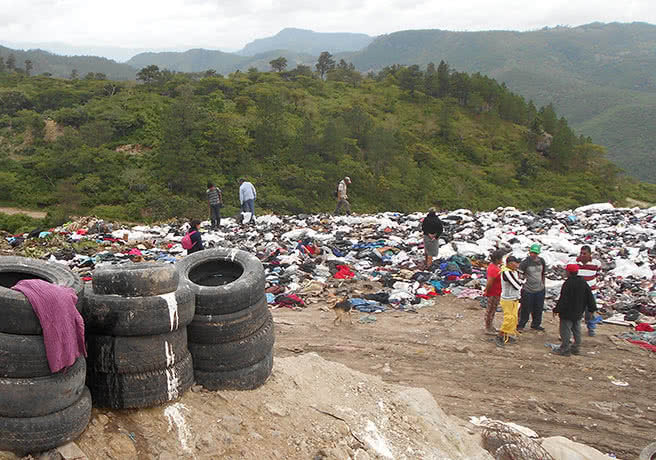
(510, 294)
(493, 290)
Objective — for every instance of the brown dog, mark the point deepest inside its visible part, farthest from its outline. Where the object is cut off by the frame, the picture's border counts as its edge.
(342, 309)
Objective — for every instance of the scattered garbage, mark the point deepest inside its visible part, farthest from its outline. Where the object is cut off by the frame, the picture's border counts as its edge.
(313, 258)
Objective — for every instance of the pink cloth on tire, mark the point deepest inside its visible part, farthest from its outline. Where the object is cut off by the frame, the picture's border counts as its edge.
(62, 324)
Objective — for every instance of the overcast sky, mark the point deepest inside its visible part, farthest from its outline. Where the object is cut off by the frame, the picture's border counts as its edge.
(230, 24)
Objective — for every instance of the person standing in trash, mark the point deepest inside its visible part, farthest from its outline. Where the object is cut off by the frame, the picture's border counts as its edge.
(342, 196)
(588, 268)
(196, 239)
(575, 299)
(247, 196)
(532, 301)
(510, 294)
(432, 228)
(215, 200)
(493, 290)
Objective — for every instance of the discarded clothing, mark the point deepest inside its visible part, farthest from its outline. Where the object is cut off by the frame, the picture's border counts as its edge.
(62, 324)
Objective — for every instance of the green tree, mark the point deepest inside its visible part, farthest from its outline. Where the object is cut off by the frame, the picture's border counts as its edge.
(180, 160)
(325, 63)
(2, 64)
(410, 78)
(279, 64)
(28, 67)
(11, 62)
(74, 74)
(443, 78)
(149, 74)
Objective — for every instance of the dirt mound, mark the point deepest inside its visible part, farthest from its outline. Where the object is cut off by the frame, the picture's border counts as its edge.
(309, 409)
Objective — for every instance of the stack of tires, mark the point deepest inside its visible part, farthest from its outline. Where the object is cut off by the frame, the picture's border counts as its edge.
(39, 410)
(231, 337)
(136, 317)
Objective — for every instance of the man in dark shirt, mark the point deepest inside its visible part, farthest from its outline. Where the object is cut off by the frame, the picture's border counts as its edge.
(532, 302)
(432, 229)
(575, 299)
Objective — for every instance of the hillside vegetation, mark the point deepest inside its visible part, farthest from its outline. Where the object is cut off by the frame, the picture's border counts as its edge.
(595, 75)
(408, 139)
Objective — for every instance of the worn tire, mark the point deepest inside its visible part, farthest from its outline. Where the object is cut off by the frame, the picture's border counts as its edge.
(135, 280)
(220, 357)
(130, 355)
(230, 327)
(23, 356)
(649, 452)
(38, 434)
(144, 389)
(128, 316)
(33, 397)
(247, 378)
(17, 314)
(242, 270)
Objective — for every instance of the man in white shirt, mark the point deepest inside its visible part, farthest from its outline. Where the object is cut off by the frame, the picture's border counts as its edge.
(342, 196)
(247, 196)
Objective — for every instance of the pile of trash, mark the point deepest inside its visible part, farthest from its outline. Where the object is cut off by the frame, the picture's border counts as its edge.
(377, 260)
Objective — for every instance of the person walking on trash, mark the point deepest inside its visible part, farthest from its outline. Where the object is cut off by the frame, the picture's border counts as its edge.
(510, 293)
(588, 268)
(215, 201)
(532, 299)
(432, 229)
(342, 196)
(575, 299)
(247, 196)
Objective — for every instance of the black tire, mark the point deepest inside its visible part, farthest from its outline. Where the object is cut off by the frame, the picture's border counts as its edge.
(145, 389)
(135, 280)
(130, 355)
(128, 316)
(33, 397)
(230, 327)
(241, 272)
(38, 434)
(23, 356)
(247, 378)
(649, 452)
(17, 314)
(221, 357)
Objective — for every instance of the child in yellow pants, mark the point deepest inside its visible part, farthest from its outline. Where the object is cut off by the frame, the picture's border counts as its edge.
(510, 294)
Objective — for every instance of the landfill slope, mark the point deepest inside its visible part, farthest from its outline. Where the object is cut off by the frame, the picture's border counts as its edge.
(444, 349)
(310, 408)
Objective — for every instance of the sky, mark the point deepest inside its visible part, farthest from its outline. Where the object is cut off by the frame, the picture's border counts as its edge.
(229, 25)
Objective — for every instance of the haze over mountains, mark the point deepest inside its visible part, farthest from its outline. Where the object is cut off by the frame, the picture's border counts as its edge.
(601, 77)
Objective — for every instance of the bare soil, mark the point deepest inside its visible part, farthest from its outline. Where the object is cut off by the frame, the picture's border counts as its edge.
(35, 214)
(469, 376)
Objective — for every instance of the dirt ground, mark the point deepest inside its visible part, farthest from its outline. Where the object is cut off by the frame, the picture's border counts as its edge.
(469, 376)
(35, 214)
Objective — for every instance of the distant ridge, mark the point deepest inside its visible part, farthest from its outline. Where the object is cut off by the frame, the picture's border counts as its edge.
(307, 42)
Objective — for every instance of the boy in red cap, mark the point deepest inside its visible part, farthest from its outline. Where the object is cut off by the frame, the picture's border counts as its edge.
(575, 299)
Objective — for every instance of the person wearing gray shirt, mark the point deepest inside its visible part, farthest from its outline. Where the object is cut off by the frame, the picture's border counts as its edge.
(532, 300)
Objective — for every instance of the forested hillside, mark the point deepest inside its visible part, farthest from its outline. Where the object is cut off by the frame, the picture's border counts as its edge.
(307, 42)
(409, 139)
(602, 77)
(37, 62)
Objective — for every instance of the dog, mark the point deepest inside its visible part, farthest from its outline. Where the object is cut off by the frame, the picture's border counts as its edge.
(342, 309)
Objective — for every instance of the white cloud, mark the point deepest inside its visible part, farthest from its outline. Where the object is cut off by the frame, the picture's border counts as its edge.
(182, 24)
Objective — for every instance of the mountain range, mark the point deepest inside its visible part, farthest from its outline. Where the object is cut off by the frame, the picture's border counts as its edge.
(601, 77)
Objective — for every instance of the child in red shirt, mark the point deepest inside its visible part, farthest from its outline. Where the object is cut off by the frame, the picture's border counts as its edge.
(493, 290)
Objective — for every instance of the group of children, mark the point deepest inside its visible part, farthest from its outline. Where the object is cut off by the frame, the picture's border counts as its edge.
(505, 288)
